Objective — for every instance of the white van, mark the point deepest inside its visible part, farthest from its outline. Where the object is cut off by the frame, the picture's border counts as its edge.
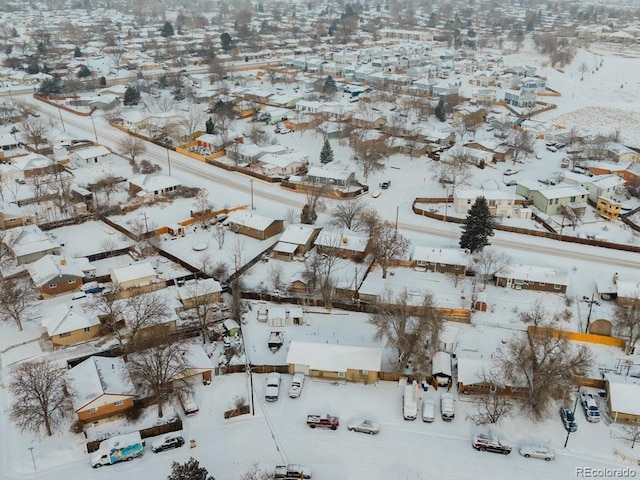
(447, 407)
(428, 410)
(410, 402)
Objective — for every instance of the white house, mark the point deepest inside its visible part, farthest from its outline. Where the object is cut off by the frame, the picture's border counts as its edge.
(501, 203)
(89, 155)
(153, 184)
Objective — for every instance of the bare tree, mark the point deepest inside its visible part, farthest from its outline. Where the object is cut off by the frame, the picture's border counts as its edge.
(219, 233)
(34, 130)
(453, 168)
(369, 157)
(572, 215)
(627, 323)
(255, 473)
(159, 371)
(39, 185)
(521, 142)
(290, 216)
(257, 135)
(132, 147)
(203, 206)
(115, 55)
(630, 434)
(16, 301)
(408, 328)
(493, 405)
(348, 214)
(237, 253)
(276, 275)
(192, 120)
(387, 244)
(108, 184)
(40, 398)
(490, 262)
(202, 308)
(542, 363)
(314, 193)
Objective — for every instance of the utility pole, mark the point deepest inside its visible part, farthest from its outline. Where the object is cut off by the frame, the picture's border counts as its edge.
(590, 309)
(169, 161)
(397, 211)
(62, 121)
(251, 185)
(95, 132)
(32, 458)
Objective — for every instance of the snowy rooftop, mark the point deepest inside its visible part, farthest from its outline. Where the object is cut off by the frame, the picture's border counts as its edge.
(334, 358)
(443, 256)
(557, 276)
(92, 152)
(249, 219)
(50, 267)
(67, 318)
(297, 234)
(624, 392)
(131, 272)
(97, 376)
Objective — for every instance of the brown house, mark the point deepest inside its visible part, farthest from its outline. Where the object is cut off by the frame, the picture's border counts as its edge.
(54, 275)
(528, 277)
(252, 225)
(11, 216)
(443, 260)
(102, 389)
(70, 325)
(356, 364)
(343, 243)
(199, 292)
(296, 240)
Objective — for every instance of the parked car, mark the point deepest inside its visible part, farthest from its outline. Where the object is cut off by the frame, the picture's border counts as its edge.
(364, 426)
(296, 471)
(167, 442)
(324, 421)
(568, 419)
(297, 382)
(447, 407)
(428, 410)
(386, 184)
(487, 443)
(272, 391)
(537, 451)
(590, 407)
(188, 402)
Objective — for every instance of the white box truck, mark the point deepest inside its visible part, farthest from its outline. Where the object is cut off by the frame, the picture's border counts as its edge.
(410, 402)
(118, 449)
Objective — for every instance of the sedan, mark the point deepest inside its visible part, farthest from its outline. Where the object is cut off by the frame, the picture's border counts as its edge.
(537, 451)
(364, 426)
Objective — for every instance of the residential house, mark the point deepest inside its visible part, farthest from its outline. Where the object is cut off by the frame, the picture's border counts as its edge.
(368, 120)
(628, 171)
(249, 153)
(343, 243)
(608, 208)
(12, 215)
(70, 324)
(621, 153)
(443, 260)
(328, 176)
(529, 277)
(102, 389)
(89, 155)
(253, 225)
(153, 184)
(54, 275)
(28, 244)
(199, 292)
(520, 98)
(297, 239)
(627, 292)
(283, 165)
(323, 360)
(34, 164)
(552, 200)
(133, 276)
(623, 392)
(502, 203)
(597, 186)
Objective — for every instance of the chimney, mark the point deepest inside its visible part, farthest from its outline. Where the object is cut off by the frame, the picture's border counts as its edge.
(615, 278)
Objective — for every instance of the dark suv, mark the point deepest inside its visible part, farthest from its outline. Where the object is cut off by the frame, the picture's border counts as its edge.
(167, 442)
(568, 419)
(486, 443)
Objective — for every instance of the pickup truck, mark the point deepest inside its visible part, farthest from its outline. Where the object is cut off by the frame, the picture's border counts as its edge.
(590, 406)
(293, 471)
(324, 421)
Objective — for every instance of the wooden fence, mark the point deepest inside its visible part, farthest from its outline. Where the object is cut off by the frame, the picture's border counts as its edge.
(525, 231)
(63, 107)
(173, 426)
(577, 336)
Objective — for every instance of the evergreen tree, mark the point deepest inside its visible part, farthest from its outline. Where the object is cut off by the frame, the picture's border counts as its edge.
(131, 96)
(190, 470)
(441, 110)
(50, 86)
(210, 127)
(225, 40)
(84, 72)
(33, 68)
(329, 85)
(326, 154)
(477, 227)
(308, 215)
(167, 30)
(77, 52)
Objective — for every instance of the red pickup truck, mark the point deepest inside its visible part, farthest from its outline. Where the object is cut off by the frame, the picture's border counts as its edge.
(324, 421)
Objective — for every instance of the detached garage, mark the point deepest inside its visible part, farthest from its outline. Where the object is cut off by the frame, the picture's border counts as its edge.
(357, 364)
(623, 397)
